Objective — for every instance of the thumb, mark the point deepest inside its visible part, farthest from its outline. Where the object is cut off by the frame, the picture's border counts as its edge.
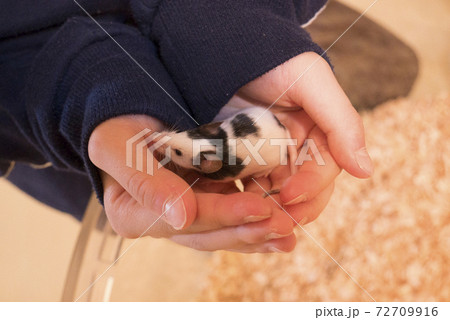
(162, 194)
(321, 96)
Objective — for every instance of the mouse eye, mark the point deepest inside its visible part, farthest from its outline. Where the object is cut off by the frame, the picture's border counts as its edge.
(178, 152)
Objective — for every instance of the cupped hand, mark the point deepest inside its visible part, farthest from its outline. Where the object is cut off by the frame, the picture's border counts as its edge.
(326, 116)
(212, 216)
(199, 214)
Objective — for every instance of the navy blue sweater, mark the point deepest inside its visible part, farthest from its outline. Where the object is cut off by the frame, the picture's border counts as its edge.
(61, 75)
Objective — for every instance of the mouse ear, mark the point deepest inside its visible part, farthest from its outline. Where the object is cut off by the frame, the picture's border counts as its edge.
(210, 163)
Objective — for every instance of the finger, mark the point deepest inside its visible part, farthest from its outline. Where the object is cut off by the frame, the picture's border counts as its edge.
(278, 226)
(279, 175)
(224, 210)
(298, 123)
(234, 238)
(127, 217)
(283, 245)
(314, 175)
(302, 214)
(309, 211)
(161, 193)
(131, 220)
(334, 114)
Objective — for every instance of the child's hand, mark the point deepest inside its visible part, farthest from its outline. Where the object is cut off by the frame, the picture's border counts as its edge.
(327, 117)
(209, 216)
(215, 216)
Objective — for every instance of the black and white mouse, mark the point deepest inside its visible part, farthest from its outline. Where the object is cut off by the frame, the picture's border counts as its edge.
(248, 142)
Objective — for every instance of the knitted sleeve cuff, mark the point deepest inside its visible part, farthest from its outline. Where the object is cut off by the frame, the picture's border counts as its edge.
(214, 47)
(82, 78)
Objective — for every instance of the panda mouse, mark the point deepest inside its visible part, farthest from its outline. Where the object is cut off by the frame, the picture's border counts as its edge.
(222, 150)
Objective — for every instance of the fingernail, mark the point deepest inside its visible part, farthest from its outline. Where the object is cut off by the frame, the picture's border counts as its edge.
(175, 213)
(299, 199)
(275, 235)
(364, 161)
(255, 218)
(274, 249)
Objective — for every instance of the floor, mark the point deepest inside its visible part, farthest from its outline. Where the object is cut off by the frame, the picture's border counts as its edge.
(36, 242)
(425, 27)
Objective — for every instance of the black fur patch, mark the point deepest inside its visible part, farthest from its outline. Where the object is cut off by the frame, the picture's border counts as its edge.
(243, 126)
(205, 131)
(214, 131)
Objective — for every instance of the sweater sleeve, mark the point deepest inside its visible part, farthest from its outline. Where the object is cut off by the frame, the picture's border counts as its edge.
(81, 78)
(213, 47)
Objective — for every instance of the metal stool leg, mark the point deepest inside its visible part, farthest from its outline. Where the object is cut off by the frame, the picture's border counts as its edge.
(97, 247)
